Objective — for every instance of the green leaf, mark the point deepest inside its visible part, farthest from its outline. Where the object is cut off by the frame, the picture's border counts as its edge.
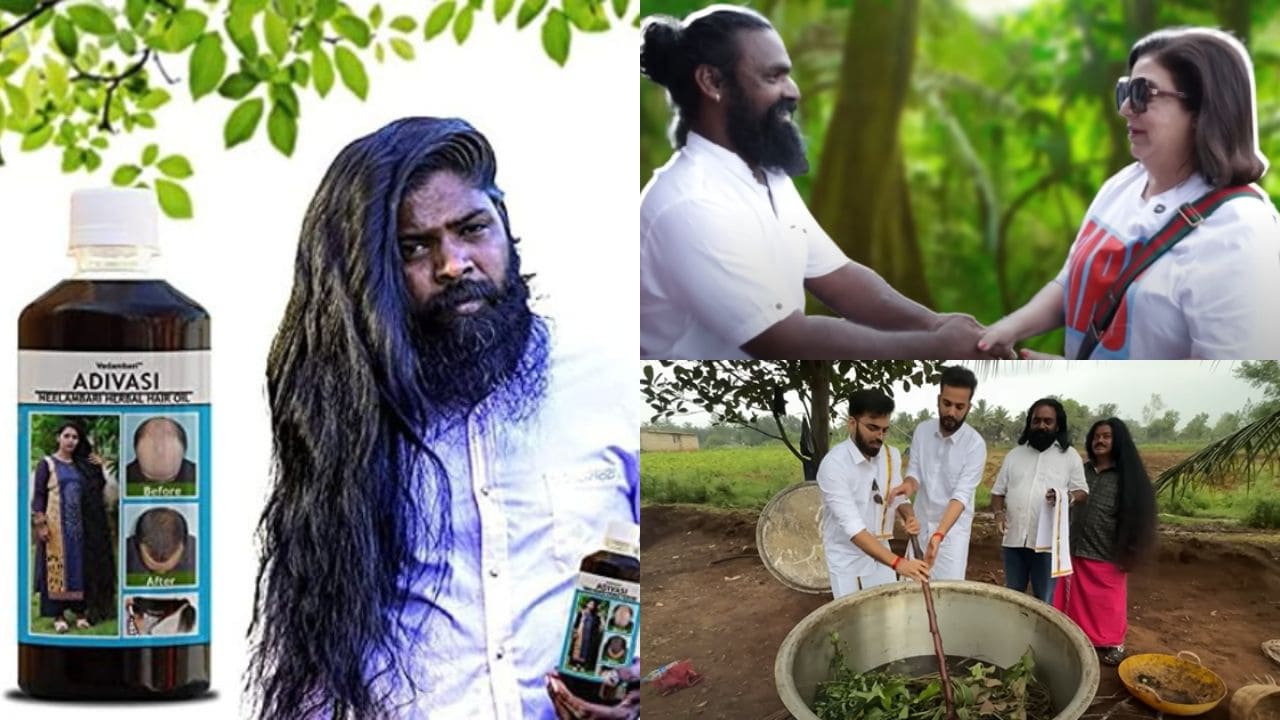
(351, 70)
(128, 42)
(353, 29)
(66, 37)
(72, 159)
(376, 15)
(282, 128)
(92, 160)
(175, 166)
(379, 52)
(502, 8)
(188, 26)
(462, 26)
(299, 73)
(91, 19)
(287, 9)
(149, 154)
(134, 12)
(310, 40)
(322, 72)
(125, 175)
(439, 18)
(555, 36)
(37, 138)
(18, 7)
(207, 64)
(237, 85)
(404, 24)
(174, 200)
(144, 120)
(586, 15)
(325, 9)
(282, 94)
(154, 99)
(620, 8)
(402, 48)
(242, 122)
(529, 9)
(240, 29)
(276, 31)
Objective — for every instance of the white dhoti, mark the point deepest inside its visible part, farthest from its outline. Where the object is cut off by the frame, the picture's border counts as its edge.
(846, 583)
(953, 555)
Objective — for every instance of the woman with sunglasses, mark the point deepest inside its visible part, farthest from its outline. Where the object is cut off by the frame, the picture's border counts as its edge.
(1179, 253)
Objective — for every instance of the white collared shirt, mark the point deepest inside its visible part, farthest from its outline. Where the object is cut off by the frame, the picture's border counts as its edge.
(1024, 478)
(722, 256)
(848, 506)
(1213, 295)
(948, 468)
(529, 501)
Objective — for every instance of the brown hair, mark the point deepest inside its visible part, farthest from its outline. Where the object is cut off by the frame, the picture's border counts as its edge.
(1214, 71)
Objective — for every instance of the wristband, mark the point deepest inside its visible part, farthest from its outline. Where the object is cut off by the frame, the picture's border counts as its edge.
(896, 559)
(940, 535)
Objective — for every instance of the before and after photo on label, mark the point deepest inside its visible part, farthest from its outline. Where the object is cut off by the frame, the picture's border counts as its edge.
(944, 384)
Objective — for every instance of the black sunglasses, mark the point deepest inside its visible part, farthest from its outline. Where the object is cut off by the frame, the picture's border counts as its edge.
(1139, 91)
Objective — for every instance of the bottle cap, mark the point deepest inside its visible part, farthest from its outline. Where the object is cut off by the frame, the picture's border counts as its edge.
(120, 217)
(623, 537)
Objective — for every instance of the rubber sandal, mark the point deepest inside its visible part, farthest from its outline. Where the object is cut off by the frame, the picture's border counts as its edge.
(60, 626)
(1112, 656)
(83, 624)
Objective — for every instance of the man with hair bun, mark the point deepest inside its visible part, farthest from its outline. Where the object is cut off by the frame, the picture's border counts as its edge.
(727, 246)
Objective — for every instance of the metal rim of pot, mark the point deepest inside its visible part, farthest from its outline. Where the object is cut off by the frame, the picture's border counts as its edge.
(1073, 709)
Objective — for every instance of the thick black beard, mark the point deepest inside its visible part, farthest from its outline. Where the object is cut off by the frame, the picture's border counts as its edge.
(496, 355)
(944, 422)
(766, 141)
(865, 448)
(1041, 440)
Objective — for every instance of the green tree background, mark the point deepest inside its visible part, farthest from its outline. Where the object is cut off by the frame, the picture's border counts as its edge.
(956, 154)
(74, 74)
(103, 432)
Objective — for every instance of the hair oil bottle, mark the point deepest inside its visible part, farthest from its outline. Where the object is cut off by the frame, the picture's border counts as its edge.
(604, 620)
(113, 469)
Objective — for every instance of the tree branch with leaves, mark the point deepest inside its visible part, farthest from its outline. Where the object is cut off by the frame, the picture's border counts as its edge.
(74, 73)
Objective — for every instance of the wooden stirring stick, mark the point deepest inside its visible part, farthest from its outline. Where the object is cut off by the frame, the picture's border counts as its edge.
(937, 638)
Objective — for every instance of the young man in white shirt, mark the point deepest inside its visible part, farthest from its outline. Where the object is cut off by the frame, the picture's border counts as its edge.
(856, 478)
(946, 464)
(1042, 461)
(727, 246)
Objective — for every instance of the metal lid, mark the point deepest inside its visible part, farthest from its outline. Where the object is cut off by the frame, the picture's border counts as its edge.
(789, 538)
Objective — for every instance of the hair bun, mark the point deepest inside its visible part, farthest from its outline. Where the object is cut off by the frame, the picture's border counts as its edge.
(660, 49)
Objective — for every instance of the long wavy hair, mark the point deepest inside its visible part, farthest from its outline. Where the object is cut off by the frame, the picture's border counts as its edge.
(1062, 436)
(1136, 511)
(99, 565)
(359, 509)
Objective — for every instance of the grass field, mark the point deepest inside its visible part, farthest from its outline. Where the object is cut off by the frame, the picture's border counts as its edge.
(747, 477)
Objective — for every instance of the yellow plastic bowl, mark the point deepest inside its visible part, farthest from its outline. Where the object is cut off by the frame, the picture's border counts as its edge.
(1171, 684)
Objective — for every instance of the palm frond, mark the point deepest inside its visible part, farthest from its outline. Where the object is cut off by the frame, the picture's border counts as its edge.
(1239, 454)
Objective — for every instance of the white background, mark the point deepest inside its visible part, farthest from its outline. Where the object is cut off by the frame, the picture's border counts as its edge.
(567, 148)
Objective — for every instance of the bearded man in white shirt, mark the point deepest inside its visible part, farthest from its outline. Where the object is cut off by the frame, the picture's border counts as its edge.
(1042, 461)
(943, 471)
(856, 478)
(443, 459)
(727, 246)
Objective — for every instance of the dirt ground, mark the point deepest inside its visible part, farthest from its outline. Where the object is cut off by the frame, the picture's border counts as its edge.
(1213, 592)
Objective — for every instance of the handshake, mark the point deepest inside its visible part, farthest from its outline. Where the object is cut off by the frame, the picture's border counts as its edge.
(961, 337)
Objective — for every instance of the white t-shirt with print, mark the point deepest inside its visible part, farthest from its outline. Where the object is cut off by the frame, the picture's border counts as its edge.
(1214, 295)
(722, 256)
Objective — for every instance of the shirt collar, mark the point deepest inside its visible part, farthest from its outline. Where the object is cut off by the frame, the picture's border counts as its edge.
(857, 455)
(700, 147)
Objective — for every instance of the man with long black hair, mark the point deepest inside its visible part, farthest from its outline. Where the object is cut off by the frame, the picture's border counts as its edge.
(727, 246)
(1042, 461)
(1110, 535)
(442, 463)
